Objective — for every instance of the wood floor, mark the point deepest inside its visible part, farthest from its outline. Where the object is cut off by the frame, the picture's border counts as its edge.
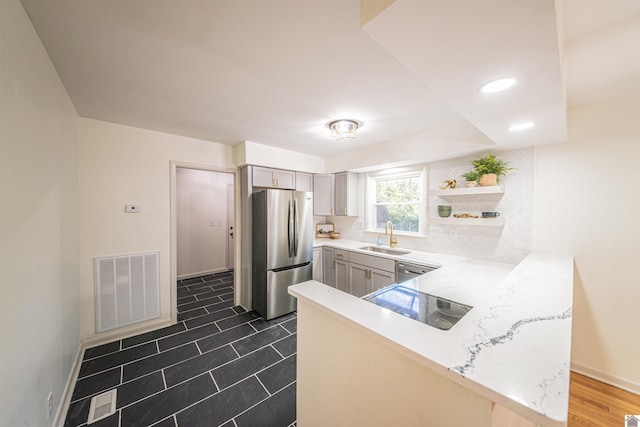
(593, 403)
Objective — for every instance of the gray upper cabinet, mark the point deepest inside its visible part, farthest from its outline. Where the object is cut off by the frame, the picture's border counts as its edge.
(323, 199)
(304, 181)
(274, 178)
(346, 194)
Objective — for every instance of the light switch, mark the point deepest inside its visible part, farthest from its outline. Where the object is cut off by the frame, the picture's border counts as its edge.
(132, 208)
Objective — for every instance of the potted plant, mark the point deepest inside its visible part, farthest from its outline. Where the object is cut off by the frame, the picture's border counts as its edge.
(490, 168)
(472, 178)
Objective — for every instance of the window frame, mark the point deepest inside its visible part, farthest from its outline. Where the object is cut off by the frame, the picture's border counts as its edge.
(370, 199)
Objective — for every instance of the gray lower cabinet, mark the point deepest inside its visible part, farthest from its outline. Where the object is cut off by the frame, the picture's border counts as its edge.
(356, 273)
(318, 266)
(341, 275)
(341, 269)
(378, 279)
(358, 280)
(328, 274)
(363, 279)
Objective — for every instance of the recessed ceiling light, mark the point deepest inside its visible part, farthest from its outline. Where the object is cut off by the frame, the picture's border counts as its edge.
(498, 85)
(521, 126)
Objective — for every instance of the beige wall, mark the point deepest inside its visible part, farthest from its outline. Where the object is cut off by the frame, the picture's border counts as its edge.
(587, 202)
(38, 225)
(122, 165)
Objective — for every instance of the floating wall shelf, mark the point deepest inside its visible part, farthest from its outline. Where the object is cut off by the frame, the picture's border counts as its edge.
(484, 222)
(466, 191)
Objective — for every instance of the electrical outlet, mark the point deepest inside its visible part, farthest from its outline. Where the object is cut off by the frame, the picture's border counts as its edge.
(49, 405)
(453, 233)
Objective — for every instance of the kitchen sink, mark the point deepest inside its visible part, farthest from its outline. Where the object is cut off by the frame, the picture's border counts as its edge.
(387, 251)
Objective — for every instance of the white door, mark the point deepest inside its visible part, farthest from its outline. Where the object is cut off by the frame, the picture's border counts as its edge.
(231, 232)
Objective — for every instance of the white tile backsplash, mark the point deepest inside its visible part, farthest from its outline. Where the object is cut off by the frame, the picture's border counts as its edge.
(510, 243)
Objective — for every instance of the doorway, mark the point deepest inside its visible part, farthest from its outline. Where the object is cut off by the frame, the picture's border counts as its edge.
(202, 223)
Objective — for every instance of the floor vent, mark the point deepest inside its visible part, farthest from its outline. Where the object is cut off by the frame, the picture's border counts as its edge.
(127, 290)
(102, 406)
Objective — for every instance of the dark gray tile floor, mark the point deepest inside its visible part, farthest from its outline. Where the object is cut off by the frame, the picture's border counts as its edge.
(218, 366)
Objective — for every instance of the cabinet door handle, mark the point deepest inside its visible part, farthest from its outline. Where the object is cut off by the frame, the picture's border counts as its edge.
(331, 211)
(334, 264)
(345, 211)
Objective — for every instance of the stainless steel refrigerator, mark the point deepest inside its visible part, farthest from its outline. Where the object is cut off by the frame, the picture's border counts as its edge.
(282, 248)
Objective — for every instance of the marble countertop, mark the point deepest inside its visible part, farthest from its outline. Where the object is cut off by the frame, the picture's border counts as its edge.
(426, 258)
(513, 347)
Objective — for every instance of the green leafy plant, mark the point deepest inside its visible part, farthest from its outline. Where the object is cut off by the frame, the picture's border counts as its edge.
(471, 176)
(491, 164)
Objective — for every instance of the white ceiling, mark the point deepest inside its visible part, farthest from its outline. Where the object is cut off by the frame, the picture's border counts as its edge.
(275, 72)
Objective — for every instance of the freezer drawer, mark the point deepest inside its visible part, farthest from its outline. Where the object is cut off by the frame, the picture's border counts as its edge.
(277, 301)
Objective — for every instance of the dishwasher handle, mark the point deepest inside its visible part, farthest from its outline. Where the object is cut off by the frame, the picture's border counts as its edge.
(413, 269)
(407, 271)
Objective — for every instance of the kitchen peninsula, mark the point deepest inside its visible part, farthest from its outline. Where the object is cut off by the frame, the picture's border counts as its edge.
(361, 364)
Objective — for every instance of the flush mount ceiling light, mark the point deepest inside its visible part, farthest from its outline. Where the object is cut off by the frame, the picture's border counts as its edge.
(521, 126)
(344, 128)
(498, 85)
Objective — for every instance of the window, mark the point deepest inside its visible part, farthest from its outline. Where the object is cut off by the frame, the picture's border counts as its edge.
(396, 198)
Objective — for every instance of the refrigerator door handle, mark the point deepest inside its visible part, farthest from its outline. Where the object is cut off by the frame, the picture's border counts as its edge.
(290, 230)
(295, 227)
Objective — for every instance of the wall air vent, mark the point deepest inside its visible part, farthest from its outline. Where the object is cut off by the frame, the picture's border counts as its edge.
(127, 290)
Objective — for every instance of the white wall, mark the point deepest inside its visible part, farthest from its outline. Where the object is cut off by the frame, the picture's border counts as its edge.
(587, 201)
(510, 243)
(38, 225)
(202, 221)
(251, 153)
(431, 145)
(122, 165)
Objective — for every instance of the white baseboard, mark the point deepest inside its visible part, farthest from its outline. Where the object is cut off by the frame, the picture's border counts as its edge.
(63, 408)
(623, 383)
(203, 273)
(126, 332)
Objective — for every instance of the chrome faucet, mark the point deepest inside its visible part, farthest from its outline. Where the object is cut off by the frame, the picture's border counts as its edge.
(392, 240)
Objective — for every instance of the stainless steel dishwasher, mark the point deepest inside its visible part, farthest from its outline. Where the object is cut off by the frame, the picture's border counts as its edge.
(406, 271)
